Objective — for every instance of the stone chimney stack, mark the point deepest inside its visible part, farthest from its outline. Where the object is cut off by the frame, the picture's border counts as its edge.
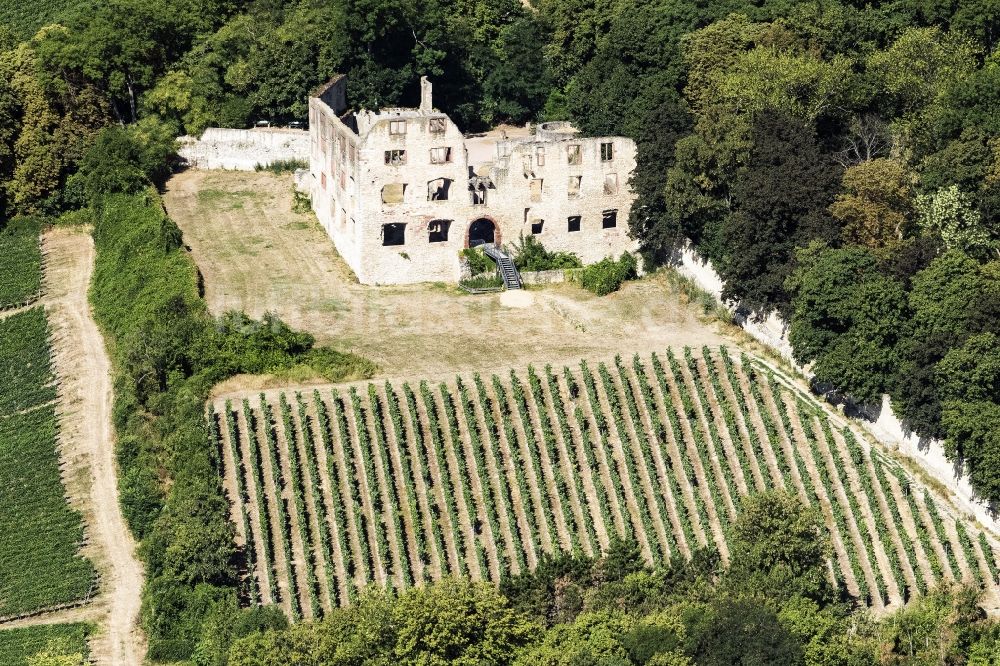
(426, 101)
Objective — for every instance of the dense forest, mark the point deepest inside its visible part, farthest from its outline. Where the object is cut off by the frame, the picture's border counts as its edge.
(838, 162)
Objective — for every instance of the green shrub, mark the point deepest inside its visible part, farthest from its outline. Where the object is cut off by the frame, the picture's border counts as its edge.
(607, 275)
(282, 166)
(531, 255)
(483, 282)
(479, 263)
(168, 351)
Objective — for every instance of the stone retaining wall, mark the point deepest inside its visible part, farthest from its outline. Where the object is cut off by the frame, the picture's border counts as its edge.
(243, 149)
(887, 428)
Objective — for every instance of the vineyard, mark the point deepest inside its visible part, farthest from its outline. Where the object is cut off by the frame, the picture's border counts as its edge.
(21, 268)
(39, 567)
(18, 646)
(401, 483)
(24, 18)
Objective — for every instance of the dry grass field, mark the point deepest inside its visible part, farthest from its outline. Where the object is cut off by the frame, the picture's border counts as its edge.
(257, 255)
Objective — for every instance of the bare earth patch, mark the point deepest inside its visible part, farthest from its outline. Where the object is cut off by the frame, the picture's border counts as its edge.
(87, 449)
(257, 255)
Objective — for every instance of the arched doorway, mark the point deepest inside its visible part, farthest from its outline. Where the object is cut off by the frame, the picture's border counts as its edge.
(482, 231)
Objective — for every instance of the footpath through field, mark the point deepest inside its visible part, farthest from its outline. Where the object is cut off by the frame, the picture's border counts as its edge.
(87, 449)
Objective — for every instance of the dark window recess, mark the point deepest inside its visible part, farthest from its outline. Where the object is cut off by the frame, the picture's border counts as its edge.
(609, 219)
(437, 190)
(395, 157)
(536, 226)
(607, 152)
(394, 234)
(438, 230)
(574, 223)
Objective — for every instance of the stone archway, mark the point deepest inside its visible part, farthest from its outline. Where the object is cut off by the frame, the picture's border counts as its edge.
(482, 230)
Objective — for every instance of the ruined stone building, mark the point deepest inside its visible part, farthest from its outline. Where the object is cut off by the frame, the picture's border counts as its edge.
(402, 191)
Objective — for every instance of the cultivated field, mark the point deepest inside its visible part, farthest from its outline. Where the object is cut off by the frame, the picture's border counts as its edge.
(57, 470)
(18, 646)
(257, 255)
(39, 567)
(21, 268)
(398, 483)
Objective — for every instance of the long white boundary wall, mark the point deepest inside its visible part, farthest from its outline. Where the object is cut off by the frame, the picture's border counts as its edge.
(243, 149)
(887, 429)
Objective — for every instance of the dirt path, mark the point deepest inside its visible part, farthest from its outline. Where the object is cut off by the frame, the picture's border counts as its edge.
(650, 489)
(865, 503)
(298, 534)
(312, 509)
(87, 442)
(449, 531)
(565, 464)
(330, 495)
(662, 478)
(494, 545)
(784, 444)
(671, 454)
(616, 454)
(457, 477)
(725, 437)
(690, 449)
(409, 506)
(265, 565)
(757, 422)
(537, 482)
(729, 395)
(713, 444)
(410, 448)
(826, 450)
(559, 510)
(504, 465)
(591, 477)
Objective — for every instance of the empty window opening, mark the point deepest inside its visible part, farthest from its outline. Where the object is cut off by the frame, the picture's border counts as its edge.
(573, 223)
(609, 219)
(395, 157)
(536, 189)
(574, 186)
(536, 226)
(440, 155)
(322, 179)
(477, 194)
(607, 152)
(438, 230)
(573, 154)
(393, 193)
(437, 190)
(437, 125)
(611, 183)
(397, 127)
(540, 155)
(394, 233)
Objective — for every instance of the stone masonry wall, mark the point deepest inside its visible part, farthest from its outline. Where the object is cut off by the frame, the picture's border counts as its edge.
(510, 205)
(887, 428)
(242, 149)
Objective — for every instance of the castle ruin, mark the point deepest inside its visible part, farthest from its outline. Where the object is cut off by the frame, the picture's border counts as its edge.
(401, 191)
